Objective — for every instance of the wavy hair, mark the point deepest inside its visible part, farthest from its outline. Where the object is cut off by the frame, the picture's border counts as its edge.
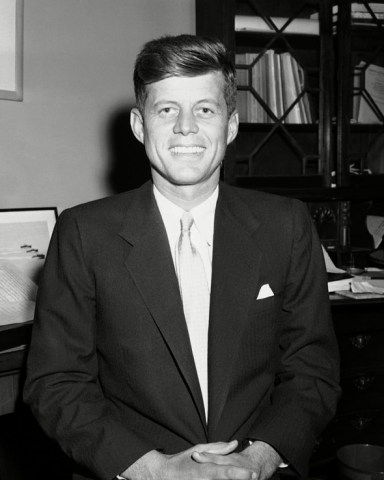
(183, 56)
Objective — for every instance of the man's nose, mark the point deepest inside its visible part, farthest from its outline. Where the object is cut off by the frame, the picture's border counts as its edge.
(185, 123)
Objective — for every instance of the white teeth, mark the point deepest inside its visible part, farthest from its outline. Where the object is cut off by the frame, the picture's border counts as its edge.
(187, 150)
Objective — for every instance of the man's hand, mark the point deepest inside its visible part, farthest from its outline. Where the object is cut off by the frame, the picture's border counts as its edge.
(189, 465)
(260, 458)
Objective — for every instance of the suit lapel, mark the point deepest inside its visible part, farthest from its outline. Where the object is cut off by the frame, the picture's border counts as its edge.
(150, 264)
(235, 270)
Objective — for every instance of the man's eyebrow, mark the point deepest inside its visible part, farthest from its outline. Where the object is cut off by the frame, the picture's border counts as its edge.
(210, 101)
(162, 101)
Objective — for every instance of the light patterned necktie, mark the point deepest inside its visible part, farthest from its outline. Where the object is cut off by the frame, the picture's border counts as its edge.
(195, 295)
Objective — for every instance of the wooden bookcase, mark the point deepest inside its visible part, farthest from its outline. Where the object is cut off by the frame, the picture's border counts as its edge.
(311, 161)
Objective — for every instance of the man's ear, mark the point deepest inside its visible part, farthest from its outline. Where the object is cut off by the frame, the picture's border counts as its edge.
(137, 124)
(233, 127)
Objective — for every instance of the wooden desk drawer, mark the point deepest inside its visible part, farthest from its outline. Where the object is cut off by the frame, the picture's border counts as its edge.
(362, 390)
(361, 349)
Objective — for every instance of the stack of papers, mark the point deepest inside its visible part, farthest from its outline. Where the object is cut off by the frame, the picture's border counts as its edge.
(17, 295)
(364, 287)
(368, 284)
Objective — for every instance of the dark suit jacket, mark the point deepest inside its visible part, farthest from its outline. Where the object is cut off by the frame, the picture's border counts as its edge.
(111, 372)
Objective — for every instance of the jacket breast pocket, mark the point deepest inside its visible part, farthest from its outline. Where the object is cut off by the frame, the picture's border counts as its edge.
(267, 304)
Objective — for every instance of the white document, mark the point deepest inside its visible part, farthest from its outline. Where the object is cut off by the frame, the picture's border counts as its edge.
(329, 265)
(365, 285)
(17, 295)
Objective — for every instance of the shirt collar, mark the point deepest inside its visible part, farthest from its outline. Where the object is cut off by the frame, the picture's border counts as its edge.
(203, 215)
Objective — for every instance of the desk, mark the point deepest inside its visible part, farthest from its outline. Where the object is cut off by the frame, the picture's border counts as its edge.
(359, 327)
(14, 341)
(25, 452)
(12, 336)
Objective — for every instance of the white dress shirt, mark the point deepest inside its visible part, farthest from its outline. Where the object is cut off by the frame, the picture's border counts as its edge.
(201, 231)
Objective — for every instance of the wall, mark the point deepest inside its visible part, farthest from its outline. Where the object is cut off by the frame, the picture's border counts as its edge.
(58, 146)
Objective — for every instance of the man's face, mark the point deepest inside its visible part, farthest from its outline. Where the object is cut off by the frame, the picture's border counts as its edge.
(185, 129)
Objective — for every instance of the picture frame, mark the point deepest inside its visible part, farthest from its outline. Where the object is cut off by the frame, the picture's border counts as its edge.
(27, 217)
(25, 235)
(21, 227)
(11, 48)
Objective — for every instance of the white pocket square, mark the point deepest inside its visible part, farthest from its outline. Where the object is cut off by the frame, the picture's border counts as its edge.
(265, 292)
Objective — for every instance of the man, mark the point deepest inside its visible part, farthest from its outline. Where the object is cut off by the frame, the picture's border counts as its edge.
(123, 371)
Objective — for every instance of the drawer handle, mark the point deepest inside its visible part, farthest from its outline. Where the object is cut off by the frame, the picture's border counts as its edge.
(360, 423)
(363, 382)
(360, 341)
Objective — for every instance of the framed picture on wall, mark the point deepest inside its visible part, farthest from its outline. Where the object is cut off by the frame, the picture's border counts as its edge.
(24, 239)
(11, 49)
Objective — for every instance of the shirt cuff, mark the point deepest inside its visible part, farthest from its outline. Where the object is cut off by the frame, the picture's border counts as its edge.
(282, 464)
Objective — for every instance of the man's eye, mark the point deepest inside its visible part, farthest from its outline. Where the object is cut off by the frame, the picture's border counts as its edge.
(206, 111)
(167, 111)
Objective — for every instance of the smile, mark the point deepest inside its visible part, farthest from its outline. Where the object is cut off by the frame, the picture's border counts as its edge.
(184, 150)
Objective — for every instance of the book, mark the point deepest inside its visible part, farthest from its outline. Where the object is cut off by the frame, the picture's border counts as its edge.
(358, 296)
(252, 23)
(289, 89)
(271, 83)
(278, 80)
(249, 108)
(279, 87)
(374, 86)
(243, 99)
(373, 274)
(339, 281)
(298, 75)
(256, 112)
(262, 88)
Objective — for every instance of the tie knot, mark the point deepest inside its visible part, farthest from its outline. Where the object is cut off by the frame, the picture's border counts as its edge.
(186, 222)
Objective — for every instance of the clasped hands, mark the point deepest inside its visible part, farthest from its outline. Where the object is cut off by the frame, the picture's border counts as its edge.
(212, 461)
